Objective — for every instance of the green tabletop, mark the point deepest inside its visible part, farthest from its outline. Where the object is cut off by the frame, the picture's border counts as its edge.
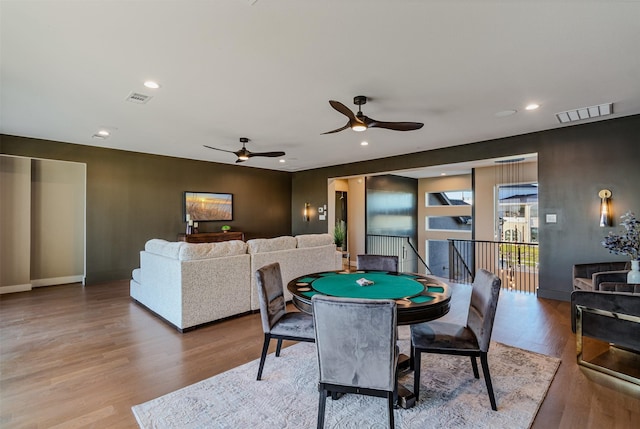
(384, 286)
(419, 298)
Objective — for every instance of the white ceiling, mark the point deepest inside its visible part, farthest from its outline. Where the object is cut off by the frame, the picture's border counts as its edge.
(266, 70)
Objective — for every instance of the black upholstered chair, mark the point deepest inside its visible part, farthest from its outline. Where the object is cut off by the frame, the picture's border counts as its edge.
(277, 323)
(471, 339)
(377, 263)
(357, 353)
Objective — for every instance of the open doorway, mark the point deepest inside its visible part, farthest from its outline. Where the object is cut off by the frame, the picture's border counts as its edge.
(341, 217)
(43, 239)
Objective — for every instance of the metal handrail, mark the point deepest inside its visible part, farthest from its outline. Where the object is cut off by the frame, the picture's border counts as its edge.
(454, 256)
(515, 262)
(389, 249)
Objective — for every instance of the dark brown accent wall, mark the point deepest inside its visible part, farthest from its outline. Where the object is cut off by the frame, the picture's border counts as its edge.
(133, 197)
(574, 163)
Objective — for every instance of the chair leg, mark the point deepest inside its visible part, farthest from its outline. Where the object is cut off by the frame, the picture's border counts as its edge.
(321, 407)
(487, 379)
(391, 402)
(395, 388)
(411, 363)
(474, 365)
(279, 347)
(416, 373)
(265, 348)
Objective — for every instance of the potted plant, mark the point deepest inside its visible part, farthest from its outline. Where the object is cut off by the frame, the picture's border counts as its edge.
(225, 228)
(627, 243)
(339, 234)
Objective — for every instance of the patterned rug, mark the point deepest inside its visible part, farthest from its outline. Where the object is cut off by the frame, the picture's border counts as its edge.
(287, 396)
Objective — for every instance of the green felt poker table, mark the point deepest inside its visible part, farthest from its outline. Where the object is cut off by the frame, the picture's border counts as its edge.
(419, 298)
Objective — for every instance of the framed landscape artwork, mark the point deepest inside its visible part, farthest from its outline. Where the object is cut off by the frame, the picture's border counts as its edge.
(208, 206)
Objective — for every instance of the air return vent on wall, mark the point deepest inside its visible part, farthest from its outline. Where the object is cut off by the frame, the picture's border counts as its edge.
(585, 113)
(136, 97)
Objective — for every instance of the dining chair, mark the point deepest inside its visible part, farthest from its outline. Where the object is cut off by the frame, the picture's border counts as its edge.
(277, 323)
(377, 263)
(471, 339)
(356, 346)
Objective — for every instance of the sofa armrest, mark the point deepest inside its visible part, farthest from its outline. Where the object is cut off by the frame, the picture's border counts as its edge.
(609, 328)
(587, 270)
(616, 302)
(608, 276)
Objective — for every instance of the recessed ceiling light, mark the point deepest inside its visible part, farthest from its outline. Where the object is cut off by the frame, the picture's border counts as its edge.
(504, 113)
(532, 106)
(151, 84)
(443, 174)
(364, 143)
(283, 161)
(104, 133)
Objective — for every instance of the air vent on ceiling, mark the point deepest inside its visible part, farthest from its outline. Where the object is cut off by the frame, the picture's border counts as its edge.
(136, 97)
(585, 113)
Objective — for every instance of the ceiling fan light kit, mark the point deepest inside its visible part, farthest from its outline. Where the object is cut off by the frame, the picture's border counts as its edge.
(359, 122)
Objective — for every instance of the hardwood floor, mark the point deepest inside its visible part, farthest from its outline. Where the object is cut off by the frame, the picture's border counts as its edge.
(76, 357)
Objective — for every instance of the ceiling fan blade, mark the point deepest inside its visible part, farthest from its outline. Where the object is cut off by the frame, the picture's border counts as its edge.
(343, 109)
(396, 126)
(223, 150)
(267, 154)
(339, 129)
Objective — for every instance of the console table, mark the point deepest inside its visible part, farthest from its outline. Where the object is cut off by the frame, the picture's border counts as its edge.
(211, 237)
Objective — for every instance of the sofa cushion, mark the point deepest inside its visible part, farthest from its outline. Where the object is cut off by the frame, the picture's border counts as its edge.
(163, 247)
(262, 245)
(195, 251)
(313, 240)
(619, 287)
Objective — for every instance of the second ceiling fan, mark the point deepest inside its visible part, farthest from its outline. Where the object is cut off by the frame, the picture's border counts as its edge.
(360, 122)
(244, 153)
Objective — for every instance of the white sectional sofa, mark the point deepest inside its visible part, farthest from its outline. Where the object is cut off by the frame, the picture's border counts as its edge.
(190, 284)
(299, 255)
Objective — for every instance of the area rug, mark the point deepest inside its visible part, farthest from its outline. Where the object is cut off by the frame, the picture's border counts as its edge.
(287, 396)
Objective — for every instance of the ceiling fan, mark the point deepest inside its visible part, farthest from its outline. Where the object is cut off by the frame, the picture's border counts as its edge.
(360, 122)
(244, 153)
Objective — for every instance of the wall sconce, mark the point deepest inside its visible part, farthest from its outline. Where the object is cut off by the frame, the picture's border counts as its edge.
(605, 212)
(305, 213)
